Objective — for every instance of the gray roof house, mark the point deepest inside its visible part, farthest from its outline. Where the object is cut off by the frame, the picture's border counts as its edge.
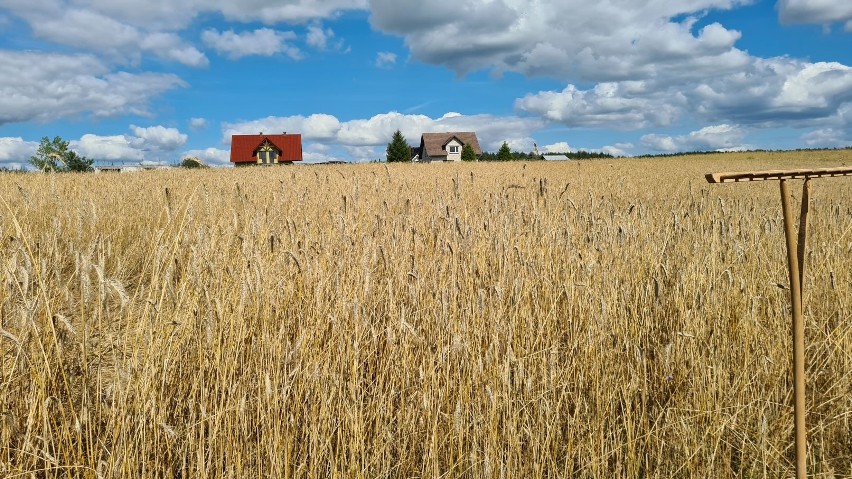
(446, 146)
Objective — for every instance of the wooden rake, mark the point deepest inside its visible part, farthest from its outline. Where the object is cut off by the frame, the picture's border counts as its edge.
(796, 266)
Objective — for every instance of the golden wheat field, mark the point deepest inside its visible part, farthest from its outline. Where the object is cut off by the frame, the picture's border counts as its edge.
(609, 318)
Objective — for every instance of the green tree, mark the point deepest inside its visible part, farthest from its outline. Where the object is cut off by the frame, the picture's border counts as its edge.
(192, 162)
(398, 149)
(467, 153)
(504, 154)
(54, 155)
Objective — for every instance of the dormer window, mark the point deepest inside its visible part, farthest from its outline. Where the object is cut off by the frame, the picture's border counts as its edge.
(267, 154)
(454, 149)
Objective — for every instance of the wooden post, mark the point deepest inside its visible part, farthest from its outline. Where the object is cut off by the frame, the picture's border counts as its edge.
(796, 252)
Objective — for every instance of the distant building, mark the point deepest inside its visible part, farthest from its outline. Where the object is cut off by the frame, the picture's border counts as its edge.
(445, 146)
(263, 149)
(550, 157)
(126, 167)
(416, 154)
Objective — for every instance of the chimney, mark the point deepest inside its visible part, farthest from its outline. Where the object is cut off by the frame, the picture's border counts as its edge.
(261, 132)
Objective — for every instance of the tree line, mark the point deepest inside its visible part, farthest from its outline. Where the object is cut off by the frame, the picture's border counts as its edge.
(398, 150)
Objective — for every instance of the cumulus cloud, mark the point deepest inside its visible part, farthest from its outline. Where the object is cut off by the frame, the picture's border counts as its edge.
(170, 15)
(627, 105)
(262, 42)
(815, 11)
(385, 59)
(775, 91)
(377, 130)
(835, 131)
(314, 127)
(170, 46)
(558, 147)
(158, 138)
(322, 38)
(364, 154)
(197, 123)
(563, 38)
(275, 11)
(90, 30)
(107, 148)
(766, 92)
(618, 149)
(211, 156)
(716, 137)
(15, 152)
(122, 31)
(45, 87)
(145, 144)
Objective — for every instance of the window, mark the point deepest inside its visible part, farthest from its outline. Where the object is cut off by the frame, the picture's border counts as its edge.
(267, 154)
(454, 149)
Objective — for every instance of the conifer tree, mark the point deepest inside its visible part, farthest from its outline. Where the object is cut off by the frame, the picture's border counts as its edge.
(398, 149)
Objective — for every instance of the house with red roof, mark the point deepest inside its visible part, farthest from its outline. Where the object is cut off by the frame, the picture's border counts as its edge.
(262, 149)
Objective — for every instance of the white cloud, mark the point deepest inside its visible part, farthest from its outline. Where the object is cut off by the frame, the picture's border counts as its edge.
(45, 87)
(319, 157)
(563, 38)
(834, 132)
(716, 137)
(775, 91)
(197, 123)
(145, 144)
(158, 138)
(618, 149)
(123, 31)
(175, 15)
(385, 59)
(276, 11)
(558, 147)
(828, 138)
(169, 46)
(627, 105)
(377, 130)
(314, 127)
(94, 31)
(211, 156)
(107, 148)
(15, 152)
(322, 38)
(815, 11)
(263, 42)
(521, 144)
(364, 154)
(768, 92)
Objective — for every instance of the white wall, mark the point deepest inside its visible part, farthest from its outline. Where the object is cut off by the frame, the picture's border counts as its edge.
(457, 155)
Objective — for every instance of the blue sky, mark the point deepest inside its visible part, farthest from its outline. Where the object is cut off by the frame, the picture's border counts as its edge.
(177, 77)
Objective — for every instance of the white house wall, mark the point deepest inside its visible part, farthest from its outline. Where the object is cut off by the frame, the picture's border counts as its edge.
(457, 155)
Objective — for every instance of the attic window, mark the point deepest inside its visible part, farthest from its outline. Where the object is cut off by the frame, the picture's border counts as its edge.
(454, 149)
(267, 154)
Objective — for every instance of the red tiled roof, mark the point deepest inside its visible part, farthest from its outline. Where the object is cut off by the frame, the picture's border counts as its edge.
(244, 147)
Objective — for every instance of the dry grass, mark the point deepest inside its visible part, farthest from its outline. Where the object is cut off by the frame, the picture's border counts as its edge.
(580, 319)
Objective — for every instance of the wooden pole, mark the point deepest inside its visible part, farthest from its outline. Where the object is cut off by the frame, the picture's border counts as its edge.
(795, 254)
(803, 232)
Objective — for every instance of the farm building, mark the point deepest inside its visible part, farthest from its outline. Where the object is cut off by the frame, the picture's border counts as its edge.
(126, 167)
(445, 146)
(263, 149)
